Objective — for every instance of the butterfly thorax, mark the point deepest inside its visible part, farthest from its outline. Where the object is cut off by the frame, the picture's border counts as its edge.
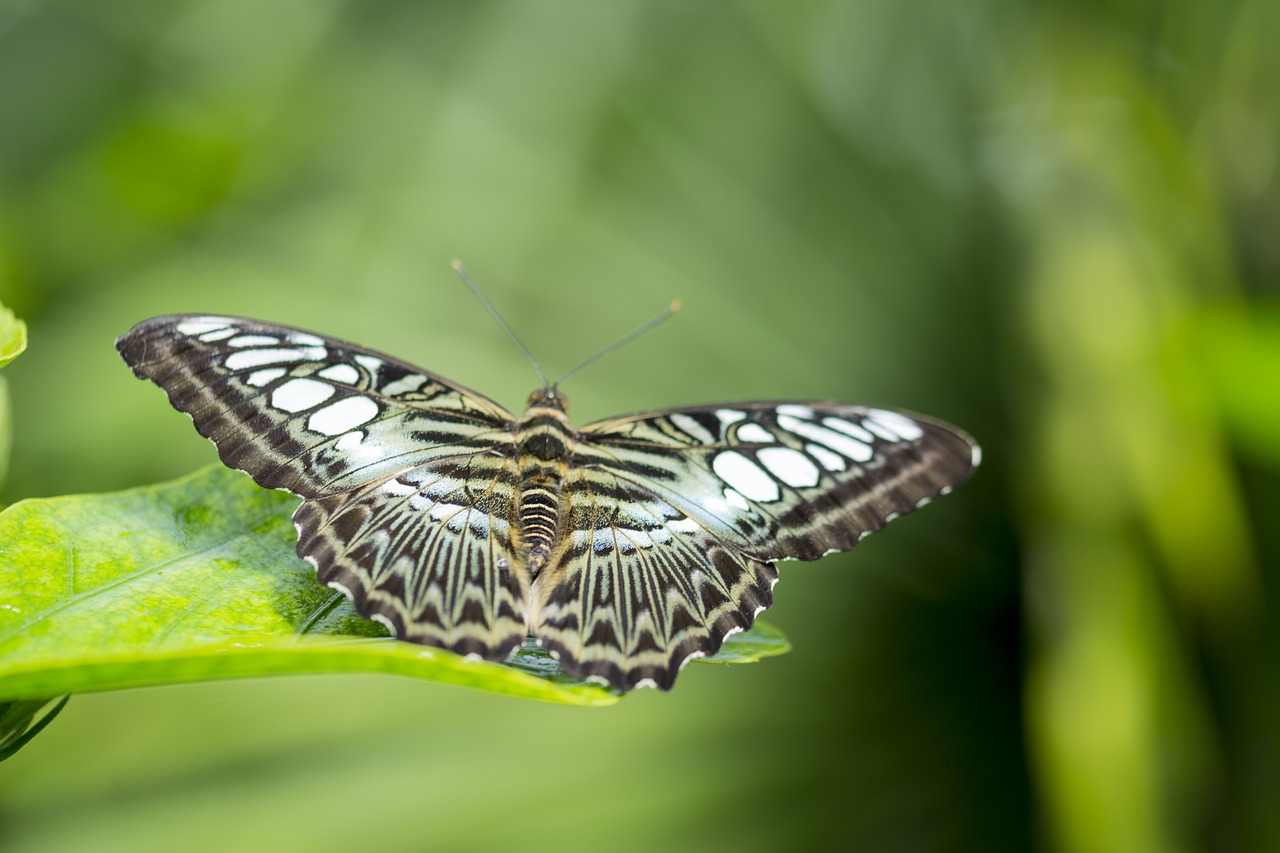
(543, 436)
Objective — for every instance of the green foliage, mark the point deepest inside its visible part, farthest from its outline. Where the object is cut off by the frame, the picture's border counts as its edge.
(13, 336)
(22, 719)
(198, 579)
(1239, 346)
(13, 340)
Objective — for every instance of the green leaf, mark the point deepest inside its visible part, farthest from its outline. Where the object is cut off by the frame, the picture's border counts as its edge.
(762, 641)
(198, 579)
(13, 340)
(6, 429)
(21, 720)
(13, 336)
(1239, 349)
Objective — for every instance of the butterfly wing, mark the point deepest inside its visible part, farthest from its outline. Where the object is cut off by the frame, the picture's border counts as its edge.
(788, 481)
(427, 552)
(639, 587)
(406, 477)
(682, 512)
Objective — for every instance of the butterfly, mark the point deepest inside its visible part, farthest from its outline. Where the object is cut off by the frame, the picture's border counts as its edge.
(626, 548)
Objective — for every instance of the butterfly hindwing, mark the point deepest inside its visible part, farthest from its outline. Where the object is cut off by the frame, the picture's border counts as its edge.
(639, 588)
(427, 552)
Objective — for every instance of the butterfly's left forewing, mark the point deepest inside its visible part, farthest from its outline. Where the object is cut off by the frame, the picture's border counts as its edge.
(406, 477)
(788, 480)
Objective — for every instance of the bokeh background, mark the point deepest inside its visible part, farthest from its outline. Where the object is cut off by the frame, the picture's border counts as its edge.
(1056, 224)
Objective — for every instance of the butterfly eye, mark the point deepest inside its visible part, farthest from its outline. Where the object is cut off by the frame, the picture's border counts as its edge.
(548, 398)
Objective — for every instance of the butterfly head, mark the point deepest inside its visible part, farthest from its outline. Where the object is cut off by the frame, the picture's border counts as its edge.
(549, 397)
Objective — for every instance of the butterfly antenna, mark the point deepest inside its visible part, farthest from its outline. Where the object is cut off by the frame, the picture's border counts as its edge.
(626, 339)
(493, 312)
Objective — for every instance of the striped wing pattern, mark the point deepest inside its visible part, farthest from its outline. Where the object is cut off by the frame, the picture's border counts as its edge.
(678, 516)
(640, 588)
(626, 548)
(427, 552)
(396, 466)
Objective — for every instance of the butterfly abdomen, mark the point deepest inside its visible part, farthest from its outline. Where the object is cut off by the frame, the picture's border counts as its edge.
(543, 439)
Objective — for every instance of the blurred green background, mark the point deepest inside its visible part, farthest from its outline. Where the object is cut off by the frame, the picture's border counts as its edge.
(1055, 224)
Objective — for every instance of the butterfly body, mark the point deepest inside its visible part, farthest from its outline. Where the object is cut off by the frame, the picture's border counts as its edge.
(543, 439)
(626, 547)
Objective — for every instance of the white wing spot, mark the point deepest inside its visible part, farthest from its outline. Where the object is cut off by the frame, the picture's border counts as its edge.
(259, 357)
(369, 363)
(403, 385)
(439, 488)
(683, 525)
(881, 430)
(378, 617)
(790, 466)
(254, 341)
(359, 453)
(639, 538)
(901, 424)
(730, 416)
(306, 339)
(975, 456)
(350, 441)
(755, 434)
(298, 395)
(343, 373)
(849, 428)
(794, 410)
(735, 498)
(398, 489)
(343, 416)
(695, 430)
(827, 459)
(444, 511)
(838, 442)
(203, 325)
(219, 335)
(745, 476)
(602, 541)
(264, 377)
